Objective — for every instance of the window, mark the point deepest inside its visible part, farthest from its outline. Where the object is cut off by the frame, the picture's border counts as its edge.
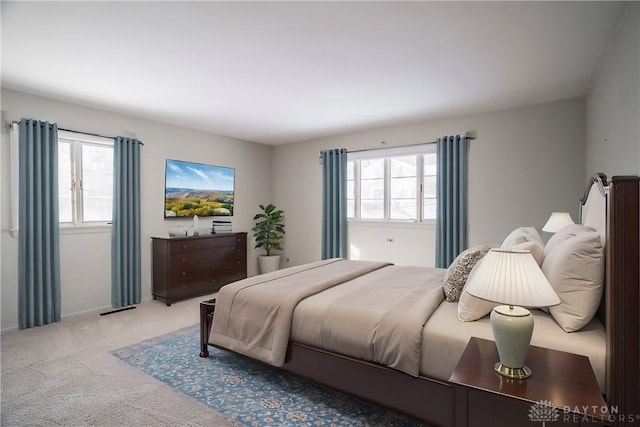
(430, 169)
(392, 185)
(85, 178)
(372, 189)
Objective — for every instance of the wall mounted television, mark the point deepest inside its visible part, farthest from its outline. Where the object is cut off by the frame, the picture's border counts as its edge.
(197, 189)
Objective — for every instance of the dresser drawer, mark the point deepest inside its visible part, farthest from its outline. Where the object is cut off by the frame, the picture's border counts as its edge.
(204, 271)
(206, 280)
(196, 244)
(231, 240)
(189, 245)
(212, 256)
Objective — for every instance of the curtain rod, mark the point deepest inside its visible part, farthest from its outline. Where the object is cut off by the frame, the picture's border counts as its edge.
(399, 146)
(94, 134)
(87, 133)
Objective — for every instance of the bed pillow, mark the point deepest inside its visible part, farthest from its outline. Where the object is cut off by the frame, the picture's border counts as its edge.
(526, 238)
(574, 266)
(565, 233)
(471, 308)
(534, 247)
(456, 275)
(521, 235)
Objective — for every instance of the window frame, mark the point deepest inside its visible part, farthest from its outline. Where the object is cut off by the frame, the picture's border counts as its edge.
(77, 141)
(386, 154)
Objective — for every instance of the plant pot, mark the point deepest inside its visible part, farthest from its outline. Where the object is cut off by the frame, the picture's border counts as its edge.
(268, 263)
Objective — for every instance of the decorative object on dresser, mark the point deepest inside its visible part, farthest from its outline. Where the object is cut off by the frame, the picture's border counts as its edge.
(196, 225)
(513, 278)
(220, 227)
(185, 267)
(178, 232)
(269, 231)
(557, 221)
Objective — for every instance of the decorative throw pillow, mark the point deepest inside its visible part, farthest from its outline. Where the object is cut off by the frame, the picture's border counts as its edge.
(574, 266)
(457, 273)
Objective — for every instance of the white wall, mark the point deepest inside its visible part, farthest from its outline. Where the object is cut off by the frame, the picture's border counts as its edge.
(525, 163)
(613, 103)
(399, 243)
(85, 258)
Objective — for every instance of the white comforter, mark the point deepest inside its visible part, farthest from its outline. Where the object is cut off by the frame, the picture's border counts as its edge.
(377, 312)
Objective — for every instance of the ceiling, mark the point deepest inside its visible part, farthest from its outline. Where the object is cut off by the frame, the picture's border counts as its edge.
(280, 72)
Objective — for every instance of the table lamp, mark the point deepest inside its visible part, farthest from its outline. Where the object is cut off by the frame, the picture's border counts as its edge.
(557, 221)
(513, 278)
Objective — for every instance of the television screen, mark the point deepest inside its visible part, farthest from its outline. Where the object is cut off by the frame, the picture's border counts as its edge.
(197, 189)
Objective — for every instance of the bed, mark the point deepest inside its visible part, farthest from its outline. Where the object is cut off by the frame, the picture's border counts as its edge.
(396, 344)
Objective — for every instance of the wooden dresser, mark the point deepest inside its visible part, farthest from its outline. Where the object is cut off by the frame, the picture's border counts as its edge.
(185, 267)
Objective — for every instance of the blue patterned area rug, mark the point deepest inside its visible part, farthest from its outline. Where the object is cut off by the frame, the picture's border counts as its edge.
(249, 392)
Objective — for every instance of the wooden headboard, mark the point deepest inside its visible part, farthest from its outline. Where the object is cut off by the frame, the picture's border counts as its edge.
(622, 299)
(593, 213)
(593, 205)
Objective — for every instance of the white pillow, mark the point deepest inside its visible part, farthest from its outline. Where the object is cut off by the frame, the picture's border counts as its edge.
(565, 233)
(534, 247)
(471, 308)
(574, 266)
(521, 235)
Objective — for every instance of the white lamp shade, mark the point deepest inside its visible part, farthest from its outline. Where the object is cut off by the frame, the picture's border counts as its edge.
(557, 221)
(511, 277)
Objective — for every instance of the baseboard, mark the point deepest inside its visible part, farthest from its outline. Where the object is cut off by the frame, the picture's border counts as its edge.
(71, 316)
(90, 312)
(76, 315)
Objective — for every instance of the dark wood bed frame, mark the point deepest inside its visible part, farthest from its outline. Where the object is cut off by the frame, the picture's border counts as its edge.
(432, 401)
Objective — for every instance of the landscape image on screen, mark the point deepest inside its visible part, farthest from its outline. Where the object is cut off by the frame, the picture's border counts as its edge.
(197, 189)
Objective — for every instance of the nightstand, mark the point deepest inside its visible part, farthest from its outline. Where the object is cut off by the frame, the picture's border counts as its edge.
(485, 398)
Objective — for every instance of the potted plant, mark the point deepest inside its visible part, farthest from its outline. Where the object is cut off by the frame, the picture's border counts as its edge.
(268, 232)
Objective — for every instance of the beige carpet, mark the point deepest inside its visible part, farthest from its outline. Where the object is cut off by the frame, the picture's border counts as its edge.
(64, 374)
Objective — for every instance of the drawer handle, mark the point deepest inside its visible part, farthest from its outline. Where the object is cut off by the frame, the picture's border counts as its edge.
(213, 280)
(184, 246)
(184, 273)
(184, 259)
(213, 268)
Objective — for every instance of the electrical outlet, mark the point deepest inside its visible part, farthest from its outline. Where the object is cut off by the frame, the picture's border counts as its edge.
(390, 240)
